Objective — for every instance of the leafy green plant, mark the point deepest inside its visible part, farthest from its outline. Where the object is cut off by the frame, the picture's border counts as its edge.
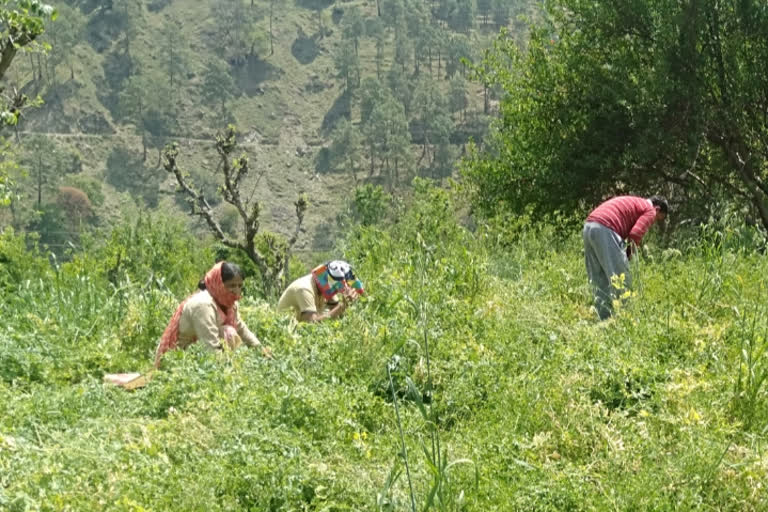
(751, 384)
(524, 402)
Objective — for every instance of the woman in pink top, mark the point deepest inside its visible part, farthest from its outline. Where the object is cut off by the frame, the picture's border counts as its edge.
(605, 252)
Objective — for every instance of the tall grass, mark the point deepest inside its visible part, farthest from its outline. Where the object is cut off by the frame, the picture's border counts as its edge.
(507, 393)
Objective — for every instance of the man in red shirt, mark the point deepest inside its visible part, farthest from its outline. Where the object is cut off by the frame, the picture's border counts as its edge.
(605, 252)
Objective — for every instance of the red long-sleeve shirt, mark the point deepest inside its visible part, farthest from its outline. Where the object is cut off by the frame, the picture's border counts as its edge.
(629, 216)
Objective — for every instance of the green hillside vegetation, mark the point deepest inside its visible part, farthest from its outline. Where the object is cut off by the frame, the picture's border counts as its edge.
(124, 78)
(473, 373)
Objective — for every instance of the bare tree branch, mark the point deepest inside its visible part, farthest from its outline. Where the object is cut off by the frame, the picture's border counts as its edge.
(200, 205)
(273, 262)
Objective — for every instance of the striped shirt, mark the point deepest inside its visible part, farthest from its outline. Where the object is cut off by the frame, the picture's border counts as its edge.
(629, 216)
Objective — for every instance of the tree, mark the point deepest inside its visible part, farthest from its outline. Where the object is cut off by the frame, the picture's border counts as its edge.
(61, 222)
(444, 160)
(458, 49)
(372, 92)
(427, 103)
(46, 164)
(271, 262)
(218, 85)
(318, 6)
(236, 32)
(484, 7)
(75, 205)
(22, 23)
(10, 173)
(345, 147)
(376, 29)
(501, 11)
(401, 87)
(353, 26)
(272, 4)
(419, 33)
(393, 13)
(463, 16)
(387, 136)
(423, 45)
(131, 12)
(620, 97)
(127, 171)
(457, 97)
(431, 115)
(173, 48)
(403, 49)
(439, 46)
(348, 66)
(445, 9)
(64, 34)
(147, 103)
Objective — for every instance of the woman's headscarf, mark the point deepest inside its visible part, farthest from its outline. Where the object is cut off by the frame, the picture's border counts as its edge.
(331, 277)
(225, 300)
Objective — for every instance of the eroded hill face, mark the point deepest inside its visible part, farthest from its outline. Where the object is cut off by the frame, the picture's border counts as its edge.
(123, 79)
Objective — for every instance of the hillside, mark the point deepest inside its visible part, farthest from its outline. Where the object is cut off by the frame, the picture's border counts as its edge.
(122, 75)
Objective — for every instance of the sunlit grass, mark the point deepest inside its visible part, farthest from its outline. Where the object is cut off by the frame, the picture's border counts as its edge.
(535, 405)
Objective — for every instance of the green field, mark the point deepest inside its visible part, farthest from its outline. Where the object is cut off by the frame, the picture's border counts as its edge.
(473, 376)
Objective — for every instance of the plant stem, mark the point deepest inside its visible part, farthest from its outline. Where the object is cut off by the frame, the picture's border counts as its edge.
(402, 439)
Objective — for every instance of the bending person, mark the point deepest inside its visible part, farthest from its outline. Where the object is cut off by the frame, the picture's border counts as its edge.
(210, 315)
(605, 253)
(309, 296)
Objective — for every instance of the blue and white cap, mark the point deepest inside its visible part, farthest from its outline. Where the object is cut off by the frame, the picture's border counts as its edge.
(340, 270)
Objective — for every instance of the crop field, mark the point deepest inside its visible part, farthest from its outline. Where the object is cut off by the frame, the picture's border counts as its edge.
(473, 376)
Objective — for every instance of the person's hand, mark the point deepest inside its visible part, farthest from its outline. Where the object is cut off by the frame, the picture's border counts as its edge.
(266, 352)
(338, 310)
(349, 294)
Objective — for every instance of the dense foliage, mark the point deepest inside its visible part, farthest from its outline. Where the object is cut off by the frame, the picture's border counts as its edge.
(477, 351)
(641, 96)
(21, 23)
(472, 375)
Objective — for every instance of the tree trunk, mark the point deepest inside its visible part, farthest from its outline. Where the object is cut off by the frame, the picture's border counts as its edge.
(354, 172)
(397, 174)
(372, 162)
(39, 184)
(271, 36)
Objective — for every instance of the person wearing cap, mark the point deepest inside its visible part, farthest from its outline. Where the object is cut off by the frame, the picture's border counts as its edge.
(623, 218)
(314, 297)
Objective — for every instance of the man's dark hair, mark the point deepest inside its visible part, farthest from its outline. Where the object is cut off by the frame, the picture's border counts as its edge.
(661, 202)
